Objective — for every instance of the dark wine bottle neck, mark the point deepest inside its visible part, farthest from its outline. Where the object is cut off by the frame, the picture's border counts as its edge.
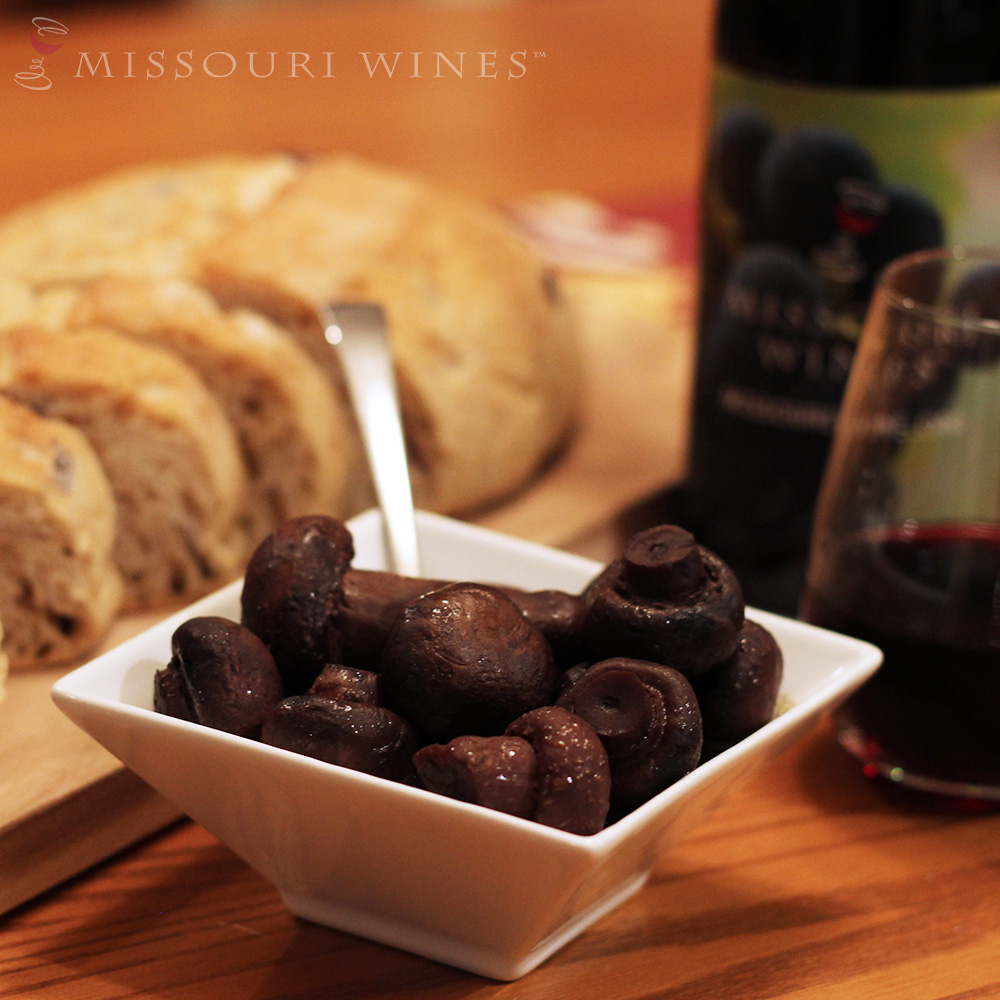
(866, 43)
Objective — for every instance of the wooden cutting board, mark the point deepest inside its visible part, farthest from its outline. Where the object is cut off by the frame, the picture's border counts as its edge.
(65, 803)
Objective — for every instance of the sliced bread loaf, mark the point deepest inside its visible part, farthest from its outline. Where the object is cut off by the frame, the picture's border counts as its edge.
(487, 363)
(292, 429)
(164, 442)
(59, 589)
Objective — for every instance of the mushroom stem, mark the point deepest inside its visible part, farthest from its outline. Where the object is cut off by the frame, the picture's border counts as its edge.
(664, 562)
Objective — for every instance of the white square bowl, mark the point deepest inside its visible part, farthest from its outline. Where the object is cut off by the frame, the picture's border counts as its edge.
(467, 886)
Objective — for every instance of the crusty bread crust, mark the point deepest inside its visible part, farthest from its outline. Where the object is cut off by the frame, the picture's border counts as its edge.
(59, 589)
(143, 221)
(486, 356)
(165, 444)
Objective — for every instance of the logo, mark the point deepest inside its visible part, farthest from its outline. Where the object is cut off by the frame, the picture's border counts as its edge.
(47, 37)
(44, 31)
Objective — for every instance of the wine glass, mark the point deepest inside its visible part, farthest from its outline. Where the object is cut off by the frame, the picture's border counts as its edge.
(905, 549)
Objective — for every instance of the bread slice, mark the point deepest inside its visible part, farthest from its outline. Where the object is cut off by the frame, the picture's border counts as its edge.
(59, 589)
(17, 303)
(486, 358)
(165, 444)
(293, 431)
(22, 305)
(145, 220)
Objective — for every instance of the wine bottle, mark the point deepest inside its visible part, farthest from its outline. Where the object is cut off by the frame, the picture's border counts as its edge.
(844, 133)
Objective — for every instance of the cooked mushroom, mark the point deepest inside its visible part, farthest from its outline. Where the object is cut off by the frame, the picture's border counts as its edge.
(740, 695)
(371, 599)
(667, 600)
(463, 660)
(497, 772)
(291, 593)
(648, 719)
(302, 597)
(362, 737)
(220, 675)
(558, 616)
(572, 779)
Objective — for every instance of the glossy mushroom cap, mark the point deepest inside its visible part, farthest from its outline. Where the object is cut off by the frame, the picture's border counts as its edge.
(291, 593)
(464, 660)
(740, 695)
(220, 675)
(667, 600)
(572, 779)
(360, 736)
(648, 719)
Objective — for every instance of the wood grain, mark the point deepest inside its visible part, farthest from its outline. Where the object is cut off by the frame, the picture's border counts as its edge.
(65, 802)
(804, 884)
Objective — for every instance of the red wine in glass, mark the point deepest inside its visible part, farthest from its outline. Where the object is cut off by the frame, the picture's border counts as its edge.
(929, 597)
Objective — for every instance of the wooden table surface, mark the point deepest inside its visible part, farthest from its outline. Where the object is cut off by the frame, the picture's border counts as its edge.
(804, 883)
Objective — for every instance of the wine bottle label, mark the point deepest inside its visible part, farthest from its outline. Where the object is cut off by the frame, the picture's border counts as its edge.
(831, 184)
(809, 192)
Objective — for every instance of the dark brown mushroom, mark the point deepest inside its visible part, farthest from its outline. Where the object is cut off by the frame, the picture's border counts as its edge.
(647, 717)
(359, 736)
(220, 675)
(291, 594)
(667, 600)
(572, 675)
(463, 660)
(497, 772)
(572, 779)
(740, 695)
(302, 597)
(372, 598)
